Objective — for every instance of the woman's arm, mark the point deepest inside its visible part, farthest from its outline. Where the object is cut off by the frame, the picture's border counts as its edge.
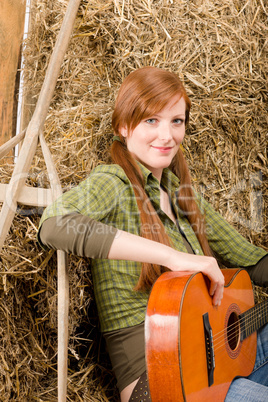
(227, 243)
(77, 234)
(259, 272)
(83, 236)
(127, 246)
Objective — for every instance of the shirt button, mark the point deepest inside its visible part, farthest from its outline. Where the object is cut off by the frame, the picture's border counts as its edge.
(196, 251)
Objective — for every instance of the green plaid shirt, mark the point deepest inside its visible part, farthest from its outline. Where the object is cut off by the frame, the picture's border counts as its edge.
(107, 196)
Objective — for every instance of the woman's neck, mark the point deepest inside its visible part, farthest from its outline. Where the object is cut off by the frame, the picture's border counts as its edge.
(166, 205)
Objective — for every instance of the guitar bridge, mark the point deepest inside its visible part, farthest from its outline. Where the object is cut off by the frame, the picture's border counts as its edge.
(209, 349)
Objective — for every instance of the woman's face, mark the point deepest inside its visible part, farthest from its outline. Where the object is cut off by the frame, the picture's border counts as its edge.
(155, 140)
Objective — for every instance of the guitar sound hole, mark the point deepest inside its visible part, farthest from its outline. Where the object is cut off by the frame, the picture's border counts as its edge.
(233, 331)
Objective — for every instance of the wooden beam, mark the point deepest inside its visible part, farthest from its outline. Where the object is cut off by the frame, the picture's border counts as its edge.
(12, 14)
(32, 196)
(10, 144)
(63, 283)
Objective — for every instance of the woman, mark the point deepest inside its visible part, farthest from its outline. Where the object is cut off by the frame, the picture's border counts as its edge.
(146, 192)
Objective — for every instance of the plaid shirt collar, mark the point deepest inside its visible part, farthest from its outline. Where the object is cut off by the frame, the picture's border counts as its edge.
(169, 181)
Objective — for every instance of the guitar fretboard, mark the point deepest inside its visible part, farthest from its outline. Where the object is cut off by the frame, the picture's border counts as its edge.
(253, 319)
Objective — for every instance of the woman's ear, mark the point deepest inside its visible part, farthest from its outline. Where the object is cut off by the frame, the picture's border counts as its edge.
(123, 131)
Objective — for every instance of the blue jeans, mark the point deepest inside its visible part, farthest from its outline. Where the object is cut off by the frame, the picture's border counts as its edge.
(255, 386)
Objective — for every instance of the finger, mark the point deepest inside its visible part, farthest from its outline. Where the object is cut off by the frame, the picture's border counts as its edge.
(218, 295)
(214, 293)
(213, 287)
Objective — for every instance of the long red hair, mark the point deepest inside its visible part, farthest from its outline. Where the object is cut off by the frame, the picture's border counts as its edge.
(144, 93)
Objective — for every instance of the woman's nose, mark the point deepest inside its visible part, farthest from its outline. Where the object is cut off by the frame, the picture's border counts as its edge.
(165, 132)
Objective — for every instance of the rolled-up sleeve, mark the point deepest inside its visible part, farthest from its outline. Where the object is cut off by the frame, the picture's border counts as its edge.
(77, 234)
(76, 221)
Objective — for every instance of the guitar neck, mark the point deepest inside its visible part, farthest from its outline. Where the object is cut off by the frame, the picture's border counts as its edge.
(253, 319)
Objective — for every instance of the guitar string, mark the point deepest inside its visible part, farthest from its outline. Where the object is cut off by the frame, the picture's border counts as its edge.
(248, 317)
(259, 309)
(220, 348)
(219, 339)
(256, 314)
(259, 312)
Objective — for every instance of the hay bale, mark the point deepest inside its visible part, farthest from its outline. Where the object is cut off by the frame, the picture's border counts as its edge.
(220, 52)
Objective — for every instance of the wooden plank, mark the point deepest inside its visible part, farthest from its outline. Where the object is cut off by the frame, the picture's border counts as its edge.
(12, 13)
(7, 146)
(51, 169)
(63, 282)
(32, 196)
(63, 324)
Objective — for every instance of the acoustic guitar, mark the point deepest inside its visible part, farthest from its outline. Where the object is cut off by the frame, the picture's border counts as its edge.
(194, 349)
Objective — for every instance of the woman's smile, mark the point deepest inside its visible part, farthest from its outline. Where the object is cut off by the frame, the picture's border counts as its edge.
(162, 149)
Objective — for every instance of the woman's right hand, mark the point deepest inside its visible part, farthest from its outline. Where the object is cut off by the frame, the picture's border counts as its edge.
(179, 261)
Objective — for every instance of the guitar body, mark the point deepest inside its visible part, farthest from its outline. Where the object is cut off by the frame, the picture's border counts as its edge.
(180, 362)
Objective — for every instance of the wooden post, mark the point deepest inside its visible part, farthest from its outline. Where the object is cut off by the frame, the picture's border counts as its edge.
(12, 14)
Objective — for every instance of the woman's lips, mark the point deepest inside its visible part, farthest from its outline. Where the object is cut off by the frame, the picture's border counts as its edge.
(163, 149)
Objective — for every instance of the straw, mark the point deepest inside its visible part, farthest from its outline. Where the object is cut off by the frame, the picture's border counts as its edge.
(219, 49)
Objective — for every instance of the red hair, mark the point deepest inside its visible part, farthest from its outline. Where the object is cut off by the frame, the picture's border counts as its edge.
(144, 93)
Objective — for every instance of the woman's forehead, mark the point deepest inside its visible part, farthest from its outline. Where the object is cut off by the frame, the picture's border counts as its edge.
(175, 105)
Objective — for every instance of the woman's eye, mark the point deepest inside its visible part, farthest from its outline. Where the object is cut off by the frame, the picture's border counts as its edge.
(151, 121)
(178, 121)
